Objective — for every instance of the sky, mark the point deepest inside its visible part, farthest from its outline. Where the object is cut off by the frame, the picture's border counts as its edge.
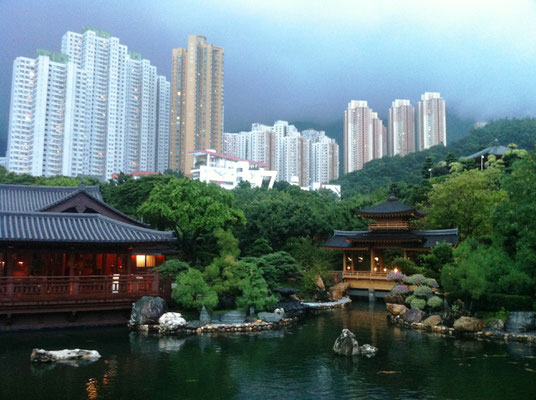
(305, 60)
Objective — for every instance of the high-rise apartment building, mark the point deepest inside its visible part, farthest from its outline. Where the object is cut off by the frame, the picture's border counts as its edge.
(358, 139)
(93, 109)
(378, 136)
(401, 132)
(324, 160)
(431, 121)
(196, 101)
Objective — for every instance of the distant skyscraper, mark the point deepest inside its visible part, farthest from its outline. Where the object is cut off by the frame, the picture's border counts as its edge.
(431, 121)
(401, 130)
(93, 109)
(358, 139)
(378, 136)
(196, 101)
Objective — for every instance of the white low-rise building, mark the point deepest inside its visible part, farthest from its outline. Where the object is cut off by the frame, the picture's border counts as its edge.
(228, 171)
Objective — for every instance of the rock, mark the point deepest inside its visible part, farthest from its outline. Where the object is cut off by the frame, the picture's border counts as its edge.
(495, 325)
(468, 324)
(204, 316)
(270, 317)
(147, 310)
(337, 291)
(280, 311)
(320, 282)
(170, 322)
(396, 309)
(520, 322)
(293, 307)
(432, 320)
(368, 350)
(394, 298)
(346, 344)
(413, 315)
(194, 324)
(233, 317)
(44, 356)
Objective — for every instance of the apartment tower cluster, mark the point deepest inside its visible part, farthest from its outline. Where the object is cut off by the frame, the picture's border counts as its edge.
(94, 109)
(366, 137)
(300, 158)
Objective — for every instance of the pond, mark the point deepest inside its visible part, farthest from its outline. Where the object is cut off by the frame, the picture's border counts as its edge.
(294, 363)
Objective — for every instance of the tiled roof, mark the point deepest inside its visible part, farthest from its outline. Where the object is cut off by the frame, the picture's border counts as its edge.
(24, 198)
(391, 206)
(74, 228)
(496, 150)
(426, 238)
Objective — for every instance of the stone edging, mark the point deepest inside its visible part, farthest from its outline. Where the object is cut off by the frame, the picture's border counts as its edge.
(256, 326)
(480, 335)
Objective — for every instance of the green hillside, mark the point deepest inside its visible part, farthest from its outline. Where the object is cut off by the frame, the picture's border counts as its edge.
(382, 172)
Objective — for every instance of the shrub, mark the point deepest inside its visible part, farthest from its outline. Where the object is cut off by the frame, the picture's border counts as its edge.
(430, 282)
(434, 302)
(418, 303)
(192, 292)
(409, 299)
(171, 268)
(422, 291)
(510, 302)
(416, 279)
(400, 289)
(396, 276)
(406, 266)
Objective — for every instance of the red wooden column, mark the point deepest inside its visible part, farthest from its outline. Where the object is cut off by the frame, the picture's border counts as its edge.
(9, 272)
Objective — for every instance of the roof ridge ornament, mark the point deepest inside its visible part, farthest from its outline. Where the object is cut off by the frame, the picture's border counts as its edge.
(82, 186)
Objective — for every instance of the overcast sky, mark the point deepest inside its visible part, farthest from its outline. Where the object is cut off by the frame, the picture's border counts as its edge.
(305, 60)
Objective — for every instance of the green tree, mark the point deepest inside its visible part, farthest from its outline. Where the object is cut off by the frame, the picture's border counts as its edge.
(279, 269)
(191, 209)
(171, 268)
(259, 248)
(433, 263)
(254, 289)
(192, 292)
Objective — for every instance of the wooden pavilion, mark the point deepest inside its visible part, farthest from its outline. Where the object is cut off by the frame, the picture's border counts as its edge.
(64, 250)
(365, 253)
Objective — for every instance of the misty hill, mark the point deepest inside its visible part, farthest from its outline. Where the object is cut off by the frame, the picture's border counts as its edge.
(382, 172)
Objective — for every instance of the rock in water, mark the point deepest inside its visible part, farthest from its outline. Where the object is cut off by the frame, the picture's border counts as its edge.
(147, 310)
(346, 344)
(337, 291)
(44, 356)
(432, 320)
(368, 350)
(521, 321)
(270, 317)
(170, 322)
(468, 324)
(413, 315)
(396, 309)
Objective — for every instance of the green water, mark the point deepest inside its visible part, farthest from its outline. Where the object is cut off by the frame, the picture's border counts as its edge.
(295, 363)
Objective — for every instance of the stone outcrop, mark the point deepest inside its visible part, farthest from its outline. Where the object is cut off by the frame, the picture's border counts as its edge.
(336, 292)
(288, 301)
(413, 315)
(521, 322)
(396, 309)
(468, 324)
(270, 317)
(368, 350)
(147, 310)
(171, 322)
(346, 344)
(432, 320)
(394, 298)
(44, 356)
(320, 282)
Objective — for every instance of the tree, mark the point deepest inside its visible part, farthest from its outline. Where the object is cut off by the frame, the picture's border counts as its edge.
(259, 248)
(440, 256)
(171, 268)
(254, 289)
(191, 209)
(466, 200)
(279, 269)
(192, 292)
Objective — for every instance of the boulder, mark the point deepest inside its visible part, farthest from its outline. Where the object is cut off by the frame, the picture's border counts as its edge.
(413, 315)
(368, 350)
(432, 320)
(44, 356)
(320, 282)
(292, 306)
(270, 317)
(147, 311)
(520, 322)
(394, 298)
(204, 316)
(396, 309)
(468, 324)
(170, 322)
(233, 317)
(346, 344)
(336, 292)
(495, 325)
(280, 311)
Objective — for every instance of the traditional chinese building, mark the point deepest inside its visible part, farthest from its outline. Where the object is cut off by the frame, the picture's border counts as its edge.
(366, 254)
(64, 251)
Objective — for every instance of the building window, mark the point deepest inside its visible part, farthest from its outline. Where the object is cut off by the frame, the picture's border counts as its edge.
(145, 261)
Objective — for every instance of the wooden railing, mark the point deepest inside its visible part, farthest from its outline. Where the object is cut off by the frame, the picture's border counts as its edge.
(364, 275)
(98, 287)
